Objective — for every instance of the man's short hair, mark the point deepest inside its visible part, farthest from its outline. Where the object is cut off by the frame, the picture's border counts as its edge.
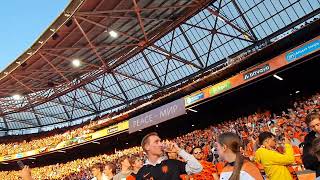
(312, 116)
(197, 147)
(112, 167)
(98, 166)
(145, 140)
(265, 135)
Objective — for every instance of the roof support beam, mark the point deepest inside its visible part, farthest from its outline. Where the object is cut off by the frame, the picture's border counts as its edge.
(69, 59)
(21, 83)
(93, 103)
(66, 104)
(75, 105)
(151, 67)
(57, 71)
(168, 60)
(123, 17)
(21, 121)
(137, 11)
(224, 19)
(213, 34)
(134, 78)
(244, 19)
(173, 56)
(4, 119)
(105, 66)
(33, 78)
(119, 85)
(64, 108)
(107, 28)
(191, 46)
(114, 96)
(142, 9)
(105, 46)
(236, 37)
(34, 111)
(101, 90)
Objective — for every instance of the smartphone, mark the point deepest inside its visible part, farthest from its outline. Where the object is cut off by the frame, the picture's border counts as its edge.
(20, 164)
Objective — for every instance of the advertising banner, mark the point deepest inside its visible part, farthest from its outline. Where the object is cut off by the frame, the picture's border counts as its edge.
(111, 130)
(303, 51)
(158, 115)
(255, 72)
(220, 87)
(194, 98)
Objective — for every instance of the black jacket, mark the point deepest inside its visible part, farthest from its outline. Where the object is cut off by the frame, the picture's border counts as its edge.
(167, 170)
(309, 160)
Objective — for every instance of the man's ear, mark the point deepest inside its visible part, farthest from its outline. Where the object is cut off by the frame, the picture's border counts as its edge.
(147, 147)
(224, 147)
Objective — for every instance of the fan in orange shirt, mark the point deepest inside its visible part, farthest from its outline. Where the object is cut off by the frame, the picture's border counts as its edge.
(208, 168)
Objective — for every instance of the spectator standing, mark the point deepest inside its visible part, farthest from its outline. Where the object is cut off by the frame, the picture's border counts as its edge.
(274, 163)
(97, 171)
(237, 168)
(136, 164)
(109, 170)
(308, 158)
(125, 168)
(159, 168)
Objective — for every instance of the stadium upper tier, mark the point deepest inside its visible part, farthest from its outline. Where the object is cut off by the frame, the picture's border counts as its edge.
(101, 56)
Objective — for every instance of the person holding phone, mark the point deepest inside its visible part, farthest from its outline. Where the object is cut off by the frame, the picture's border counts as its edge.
(274, 163)
(158, 167)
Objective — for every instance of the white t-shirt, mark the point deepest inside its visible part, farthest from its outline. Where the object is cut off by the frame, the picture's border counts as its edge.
(104, 177)
(243, 176)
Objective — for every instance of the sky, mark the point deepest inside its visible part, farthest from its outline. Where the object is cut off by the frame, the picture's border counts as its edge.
(22, 22)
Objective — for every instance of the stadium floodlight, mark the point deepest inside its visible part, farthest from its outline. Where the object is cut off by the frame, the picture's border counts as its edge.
(76, 63)
(95, 142)
(157, 125)
(192, 125)
(31, 158)
(113, 34)
(61, 151)
(127, 143)
(16, 96)
(278, 77)
(297, 92)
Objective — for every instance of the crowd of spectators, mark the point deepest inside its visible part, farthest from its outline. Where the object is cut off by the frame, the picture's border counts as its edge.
(289, 124)
(8, 147)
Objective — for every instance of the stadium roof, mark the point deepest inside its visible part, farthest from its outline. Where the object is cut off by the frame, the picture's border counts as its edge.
(129, 50)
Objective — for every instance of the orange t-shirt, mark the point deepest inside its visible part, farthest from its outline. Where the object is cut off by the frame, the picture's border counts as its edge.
(207, 171)
(297, 154)
(220, 166)
(130, 177)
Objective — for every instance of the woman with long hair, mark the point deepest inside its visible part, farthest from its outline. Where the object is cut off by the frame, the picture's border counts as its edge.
(237, 168)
